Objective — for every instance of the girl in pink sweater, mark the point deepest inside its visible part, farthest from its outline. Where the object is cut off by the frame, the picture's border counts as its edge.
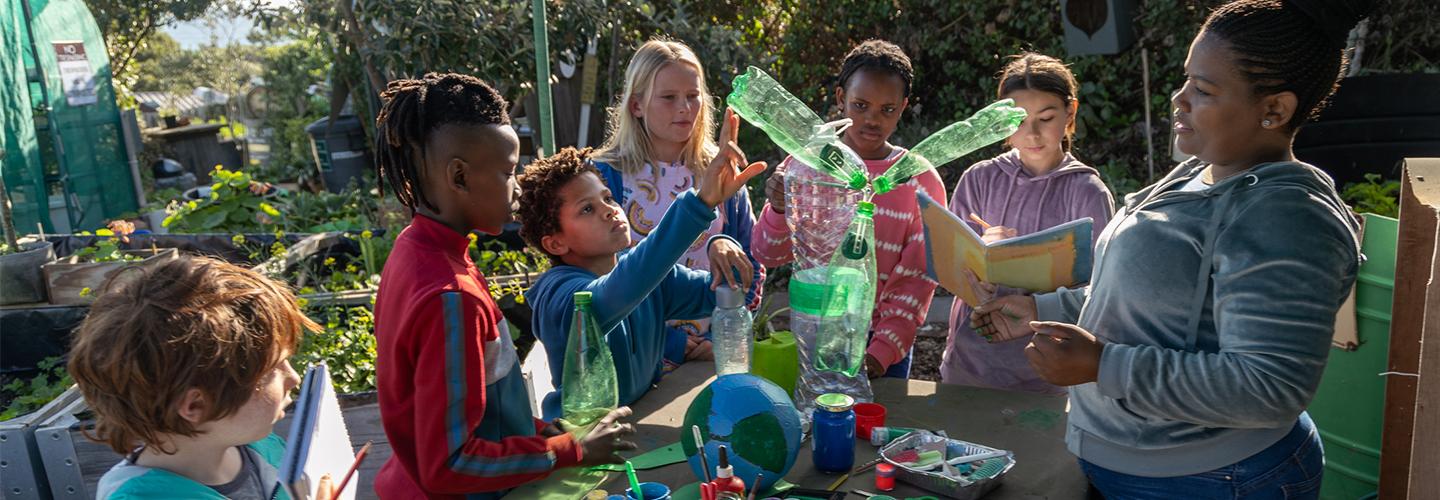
(873, 91)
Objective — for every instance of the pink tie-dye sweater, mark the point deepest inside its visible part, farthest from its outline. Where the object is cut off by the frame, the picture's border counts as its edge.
(904, 292)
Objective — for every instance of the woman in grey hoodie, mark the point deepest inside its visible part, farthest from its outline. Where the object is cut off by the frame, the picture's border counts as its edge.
(1192, 354)
(1036, 185)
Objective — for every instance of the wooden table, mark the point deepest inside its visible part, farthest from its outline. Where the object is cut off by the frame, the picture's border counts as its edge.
(1030, 425)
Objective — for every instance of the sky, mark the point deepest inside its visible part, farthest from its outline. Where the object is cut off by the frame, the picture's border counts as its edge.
(223, 30)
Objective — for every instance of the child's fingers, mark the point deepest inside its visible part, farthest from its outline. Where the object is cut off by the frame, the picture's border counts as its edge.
(751, 171)
(746, 272)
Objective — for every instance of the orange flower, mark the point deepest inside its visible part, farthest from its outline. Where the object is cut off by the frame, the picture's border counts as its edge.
(122, 229)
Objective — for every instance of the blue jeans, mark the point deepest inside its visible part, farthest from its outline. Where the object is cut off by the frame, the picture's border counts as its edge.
(1290, 468)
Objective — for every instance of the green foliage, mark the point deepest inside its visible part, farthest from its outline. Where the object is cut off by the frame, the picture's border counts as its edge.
(346, 343)
(106, 250)
(494, 259)
(1374, 196)
(1118, 179)
(237, 203)
(130, 26)
(240, 204)
(26, 396)
(291, 71)
(351, 210)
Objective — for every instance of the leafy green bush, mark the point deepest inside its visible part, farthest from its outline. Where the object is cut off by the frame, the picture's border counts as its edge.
(1374, 196)
(346, 343)
(25, 396)
(237, 203)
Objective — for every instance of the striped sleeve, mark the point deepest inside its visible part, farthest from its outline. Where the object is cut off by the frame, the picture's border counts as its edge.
(449, 383)
(905, 290)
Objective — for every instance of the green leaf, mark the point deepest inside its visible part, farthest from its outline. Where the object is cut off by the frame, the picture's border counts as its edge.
(213, 219)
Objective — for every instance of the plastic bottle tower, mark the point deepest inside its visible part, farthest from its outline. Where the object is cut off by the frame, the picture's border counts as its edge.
(832, 293)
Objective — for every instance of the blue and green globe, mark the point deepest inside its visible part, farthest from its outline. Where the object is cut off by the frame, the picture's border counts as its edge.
(752, 417)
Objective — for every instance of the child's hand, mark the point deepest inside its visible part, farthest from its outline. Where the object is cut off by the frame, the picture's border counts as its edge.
(552, 429)
(1064, 354)
(1004, 318)
(775, 189)
(724, 177)
(697, 348)
(603, 444)
(873, 368)
(726, 259)
(997, 233)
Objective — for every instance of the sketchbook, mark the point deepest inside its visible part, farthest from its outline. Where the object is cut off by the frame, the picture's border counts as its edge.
(1038, 262)
(319, 442)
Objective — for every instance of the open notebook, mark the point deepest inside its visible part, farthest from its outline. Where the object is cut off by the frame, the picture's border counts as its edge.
(1043, 261)
(319, 442)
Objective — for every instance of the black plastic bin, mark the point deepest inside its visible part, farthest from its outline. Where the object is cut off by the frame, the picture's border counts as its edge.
(340, 150)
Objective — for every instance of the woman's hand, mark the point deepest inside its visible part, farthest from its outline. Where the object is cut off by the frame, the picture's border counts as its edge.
(726, 259)
(1064, 354)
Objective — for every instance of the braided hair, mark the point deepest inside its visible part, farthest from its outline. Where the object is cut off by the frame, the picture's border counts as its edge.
(1290, 45)
(877, 55)
(414, 108)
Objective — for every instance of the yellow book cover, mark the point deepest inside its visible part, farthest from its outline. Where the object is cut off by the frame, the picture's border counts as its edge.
(1039, 262)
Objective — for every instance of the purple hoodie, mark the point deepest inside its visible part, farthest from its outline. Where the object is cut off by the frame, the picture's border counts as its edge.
(1003, 193)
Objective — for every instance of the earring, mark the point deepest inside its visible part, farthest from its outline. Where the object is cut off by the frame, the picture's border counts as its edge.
(1265, 123)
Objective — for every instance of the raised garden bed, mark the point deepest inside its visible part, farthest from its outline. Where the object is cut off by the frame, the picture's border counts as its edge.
(70, 281)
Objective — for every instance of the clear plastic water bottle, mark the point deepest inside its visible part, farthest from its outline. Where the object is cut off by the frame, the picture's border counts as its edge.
(731, 331)
(818, 209)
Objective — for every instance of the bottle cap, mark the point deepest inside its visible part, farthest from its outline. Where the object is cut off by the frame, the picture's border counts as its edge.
(729, 297)
(866, 208)
(582, 298)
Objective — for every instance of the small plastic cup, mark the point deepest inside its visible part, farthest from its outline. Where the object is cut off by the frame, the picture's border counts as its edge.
(884, 476)
(868, 416)
(653, 491)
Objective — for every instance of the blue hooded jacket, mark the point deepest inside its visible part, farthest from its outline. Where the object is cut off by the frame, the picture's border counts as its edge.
(631, 302)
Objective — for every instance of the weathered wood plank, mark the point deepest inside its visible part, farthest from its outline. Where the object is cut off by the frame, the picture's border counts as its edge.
(1414, 251)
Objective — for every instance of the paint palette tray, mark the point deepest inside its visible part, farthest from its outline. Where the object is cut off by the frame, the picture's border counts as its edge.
(968, 480)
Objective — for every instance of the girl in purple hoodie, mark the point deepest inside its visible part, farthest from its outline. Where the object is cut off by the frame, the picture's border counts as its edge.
(1036, 185)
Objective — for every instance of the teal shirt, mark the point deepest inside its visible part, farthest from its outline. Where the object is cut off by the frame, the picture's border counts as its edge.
(126, 480)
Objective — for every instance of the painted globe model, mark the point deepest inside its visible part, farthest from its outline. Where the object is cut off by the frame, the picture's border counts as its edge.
(754, 419)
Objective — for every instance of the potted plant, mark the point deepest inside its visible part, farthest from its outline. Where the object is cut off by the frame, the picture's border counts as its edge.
(20, 264)
(75, 279)
(20, 261)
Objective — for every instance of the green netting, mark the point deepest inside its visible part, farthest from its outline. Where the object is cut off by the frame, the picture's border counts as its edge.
(96, 183)
(21, 159)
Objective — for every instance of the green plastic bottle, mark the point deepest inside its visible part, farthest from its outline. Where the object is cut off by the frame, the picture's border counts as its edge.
(763, 102)
(987, 126)
(588, 389)
(851, 281)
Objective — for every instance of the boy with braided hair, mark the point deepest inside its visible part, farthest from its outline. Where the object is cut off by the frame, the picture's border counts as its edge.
(452, 400)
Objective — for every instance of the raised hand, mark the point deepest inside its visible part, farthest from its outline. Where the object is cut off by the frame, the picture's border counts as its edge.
(725, 175)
